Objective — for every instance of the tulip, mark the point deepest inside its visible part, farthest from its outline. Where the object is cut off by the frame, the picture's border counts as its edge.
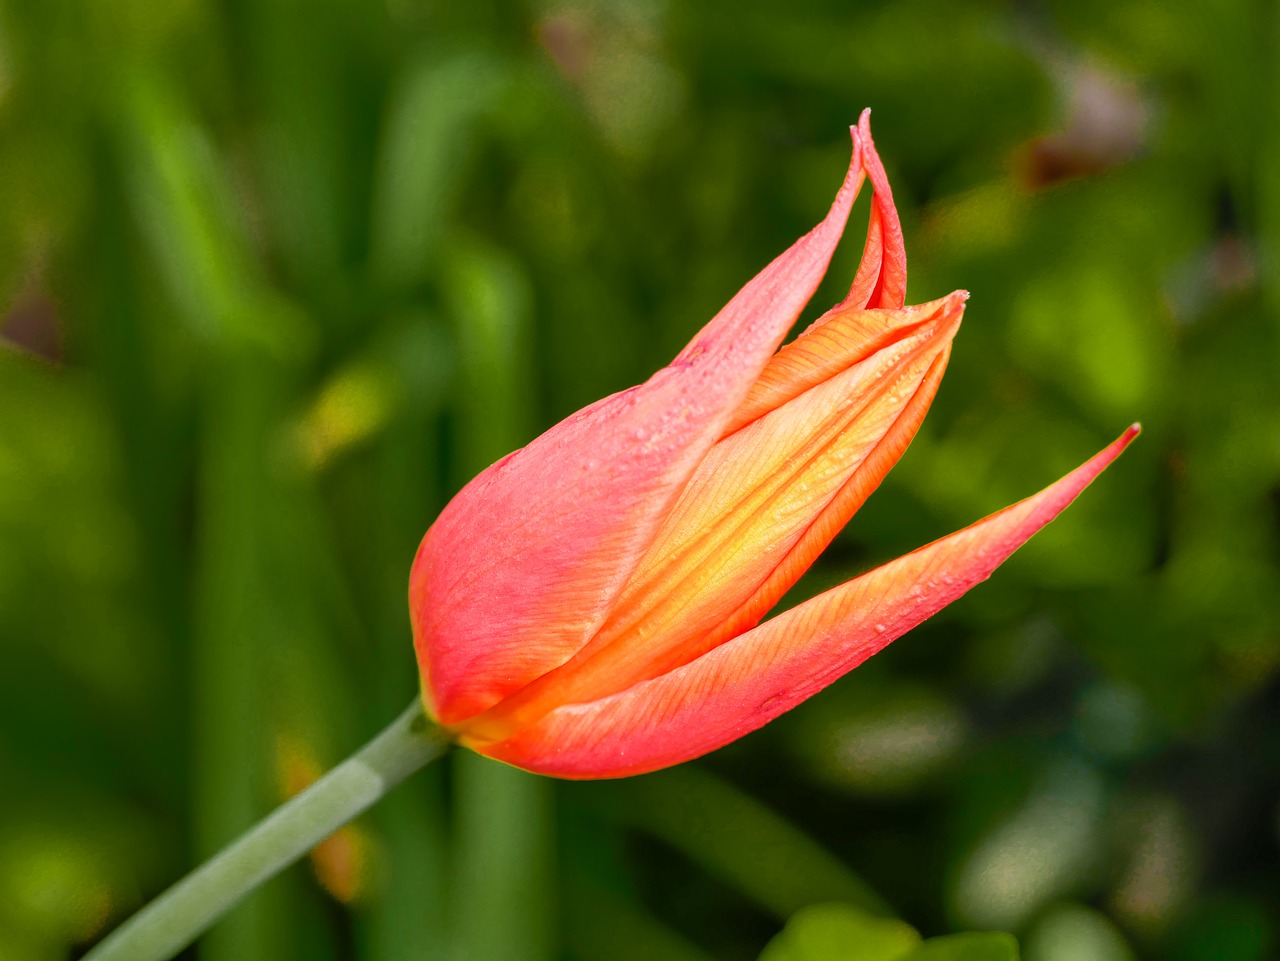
(590, 605)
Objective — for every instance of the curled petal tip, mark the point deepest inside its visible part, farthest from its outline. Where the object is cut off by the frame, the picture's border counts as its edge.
(1095, 465)
(864, 123)
(951, 309)
(1123, 441)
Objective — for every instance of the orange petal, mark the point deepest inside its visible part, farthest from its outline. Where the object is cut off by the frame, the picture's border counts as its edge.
(744, 683)
(521, 568)
(847, 336)
(749, 506)
(837, 513)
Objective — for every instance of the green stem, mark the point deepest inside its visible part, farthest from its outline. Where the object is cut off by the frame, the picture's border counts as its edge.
(179, 915)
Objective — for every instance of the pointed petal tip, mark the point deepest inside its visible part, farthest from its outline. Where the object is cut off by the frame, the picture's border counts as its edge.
(1102, 460)
(950, 309)
(881, 279)
(1117, 446)
(1072, 484)
(864, 124)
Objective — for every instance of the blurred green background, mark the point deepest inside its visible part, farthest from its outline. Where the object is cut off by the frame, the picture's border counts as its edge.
(277, 277)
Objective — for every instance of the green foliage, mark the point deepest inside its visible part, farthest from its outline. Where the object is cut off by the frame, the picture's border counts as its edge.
(838, 932)
(834, 932)
(971, 946)
(277, 278)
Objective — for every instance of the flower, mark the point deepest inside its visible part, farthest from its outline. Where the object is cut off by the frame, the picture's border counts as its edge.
(590, 605)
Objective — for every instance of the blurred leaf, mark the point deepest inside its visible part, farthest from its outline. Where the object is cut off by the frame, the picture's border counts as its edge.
(884, 741)
(837, 932)
(1230, 926)
(782, 869)
(503, 899)
(1161, 869)
(1090, 331)
(184, 202)
(430, 134)
(603, 926)
(1042, 851)
(490, 305)
(1073, 932)
(973, 946)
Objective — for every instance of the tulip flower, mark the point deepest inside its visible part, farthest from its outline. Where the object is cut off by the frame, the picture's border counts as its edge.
(591, 605)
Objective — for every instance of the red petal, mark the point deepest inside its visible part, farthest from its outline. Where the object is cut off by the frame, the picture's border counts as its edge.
(746, 682)
(523, 565)
(881, 280)
(751, 506)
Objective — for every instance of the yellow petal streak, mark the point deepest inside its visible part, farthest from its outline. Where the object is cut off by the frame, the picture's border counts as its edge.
(843, 506)
(827, 419)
